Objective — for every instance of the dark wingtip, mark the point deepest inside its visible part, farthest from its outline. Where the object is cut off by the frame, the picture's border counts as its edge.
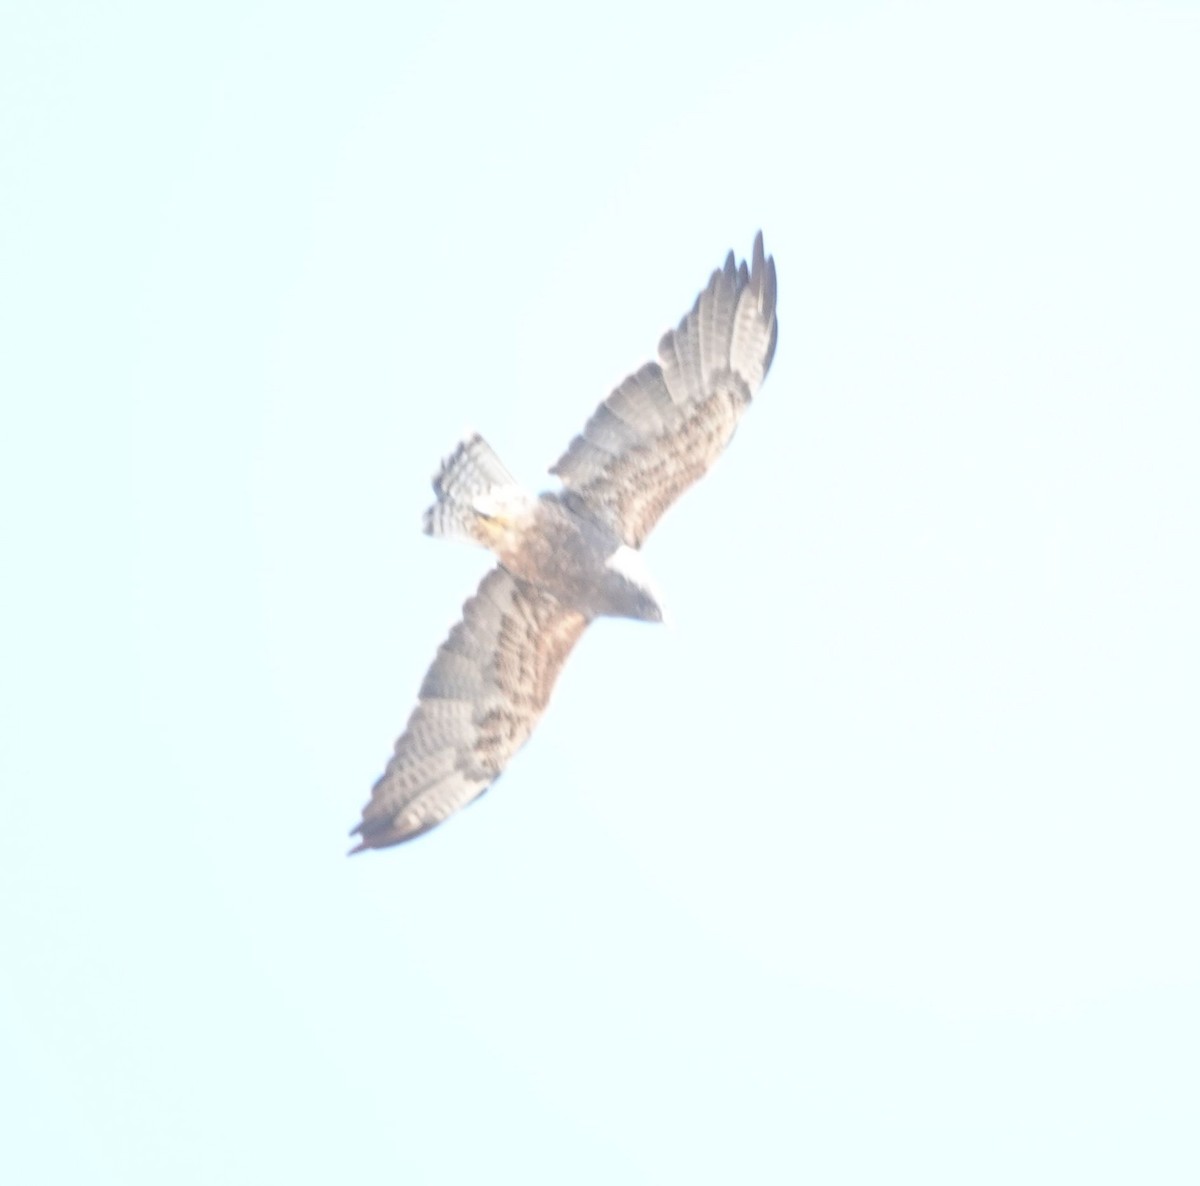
(769, 357)
(762, 276)
(372, 834)
(383, 833)
(768, 297)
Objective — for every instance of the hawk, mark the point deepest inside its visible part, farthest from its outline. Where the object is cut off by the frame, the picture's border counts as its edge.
(570, 555)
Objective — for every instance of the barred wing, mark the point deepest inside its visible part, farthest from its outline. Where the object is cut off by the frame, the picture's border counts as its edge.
(662, 429)
(479, 703)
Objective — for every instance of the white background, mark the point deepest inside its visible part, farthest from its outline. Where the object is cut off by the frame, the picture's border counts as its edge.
(880, 866)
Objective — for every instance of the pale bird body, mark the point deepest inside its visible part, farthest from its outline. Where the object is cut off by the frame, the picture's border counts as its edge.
(568, 556)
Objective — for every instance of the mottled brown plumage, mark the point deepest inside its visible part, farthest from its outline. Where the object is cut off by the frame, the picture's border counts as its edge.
(567, 557)
(666, 424)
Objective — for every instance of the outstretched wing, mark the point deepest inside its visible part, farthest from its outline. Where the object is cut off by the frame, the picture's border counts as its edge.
(479, 703)
(661, 429)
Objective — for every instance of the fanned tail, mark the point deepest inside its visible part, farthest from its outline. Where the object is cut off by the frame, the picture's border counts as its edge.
(472, 487)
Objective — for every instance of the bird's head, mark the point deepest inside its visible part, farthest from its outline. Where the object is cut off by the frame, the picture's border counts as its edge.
(630, 588)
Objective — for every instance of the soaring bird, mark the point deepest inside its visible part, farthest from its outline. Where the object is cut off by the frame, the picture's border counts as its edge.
(569, 555)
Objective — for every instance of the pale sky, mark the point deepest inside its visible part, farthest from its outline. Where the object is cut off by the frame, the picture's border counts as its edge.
(880, 866)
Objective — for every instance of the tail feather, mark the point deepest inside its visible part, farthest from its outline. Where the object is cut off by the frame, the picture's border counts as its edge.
(472, 482)
(473, 468)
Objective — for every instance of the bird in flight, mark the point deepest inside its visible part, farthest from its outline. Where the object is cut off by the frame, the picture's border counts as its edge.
(570, 555)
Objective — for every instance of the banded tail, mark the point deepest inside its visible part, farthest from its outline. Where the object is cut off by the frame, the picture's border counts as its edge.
(474, 491)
